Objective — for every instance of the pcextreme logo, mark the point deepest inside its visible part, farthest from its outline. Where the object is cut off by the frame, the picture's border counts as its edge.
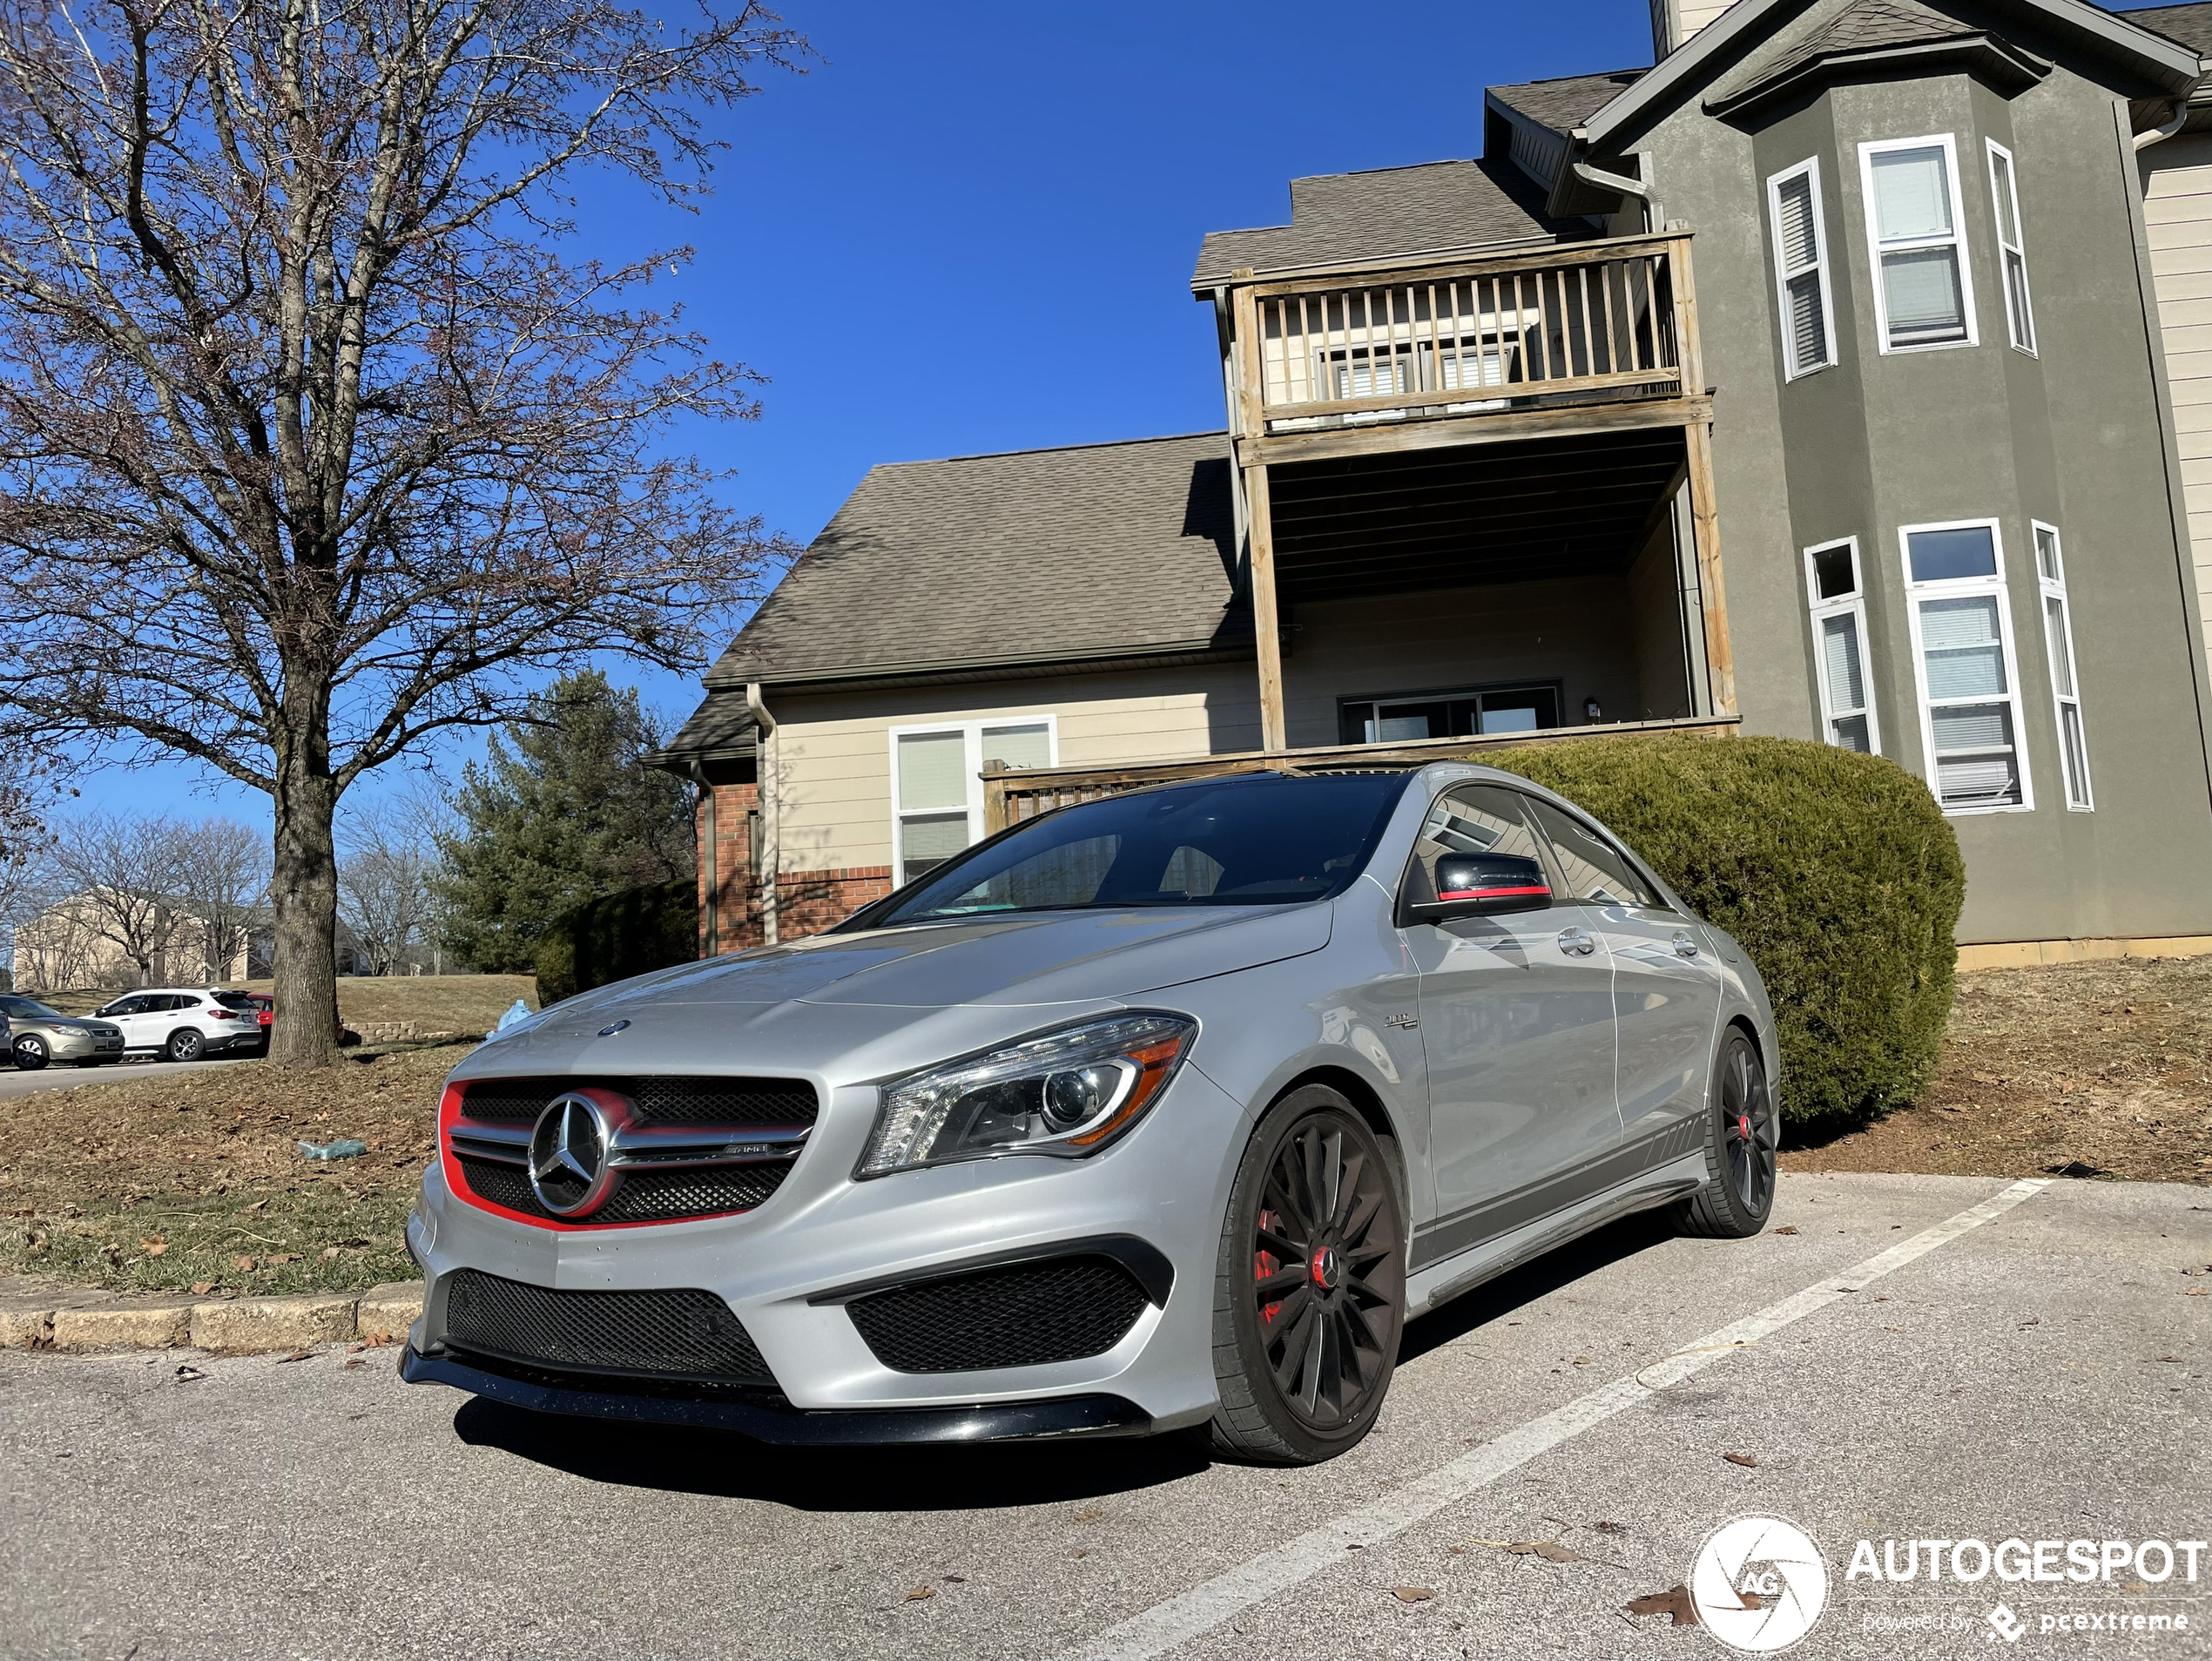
(1758, 1584)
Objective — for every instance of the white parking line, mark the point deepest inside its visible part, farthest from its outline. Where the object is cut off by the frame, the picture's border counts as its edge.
(1203, 1608)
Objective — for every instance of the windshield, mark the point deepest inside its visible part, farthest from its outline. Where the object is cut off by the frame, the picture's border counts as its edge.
(30, 1009)
(1262, 839)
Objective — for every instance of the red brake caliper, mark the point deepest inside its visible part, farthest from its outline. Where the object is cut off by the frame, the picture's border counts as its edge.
(1264, 1264)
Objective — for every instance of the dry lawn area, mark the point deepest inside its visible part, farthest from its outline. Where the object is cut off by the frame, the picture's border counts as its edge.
(432, 1003)
(2079, 1069)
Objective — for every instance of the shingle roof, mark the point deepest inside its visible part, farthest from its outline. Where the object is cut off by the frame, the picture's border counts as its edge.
(1391, 211)
(2191, 25)
(1565, 104)
(721, 727)
(1860, 25)
(1100, 550)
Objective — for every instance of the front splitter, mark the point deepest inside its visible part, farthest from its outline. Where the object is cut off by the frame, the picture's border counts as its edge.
(1057, 1418)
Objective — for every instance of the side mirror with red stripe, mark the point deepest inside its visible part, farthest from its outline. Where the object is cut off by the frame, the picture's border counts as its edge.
(1485, 885)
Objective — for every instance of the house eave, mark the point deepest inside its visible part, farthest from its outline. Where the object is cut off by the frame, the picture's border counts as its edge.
(868, 676)
(2008, 67)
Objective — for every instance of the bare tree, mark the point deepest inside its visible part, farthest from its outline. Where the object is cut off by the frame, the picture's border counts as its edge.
(223, 876)
(123, 875)
(310, 445)
(386, 893)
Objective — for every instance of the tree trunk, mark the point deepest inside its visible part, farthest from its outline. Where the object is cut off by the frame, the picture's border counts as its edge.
(303, 891)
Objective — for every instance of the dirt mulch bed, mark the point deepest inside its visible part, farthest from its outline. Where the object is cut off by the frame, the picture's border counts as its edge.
(2082, 1070)
(195, 1182)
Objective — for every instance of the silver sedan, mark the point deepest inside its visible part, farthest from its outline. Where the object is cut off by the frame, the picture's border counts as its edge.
(1162, 1112)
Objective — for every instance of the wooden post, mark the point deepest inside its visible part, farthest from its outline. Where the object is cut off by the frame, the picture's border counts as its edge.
(1705, 532)
(1273, 735)
(994, 818)
(1259, 525)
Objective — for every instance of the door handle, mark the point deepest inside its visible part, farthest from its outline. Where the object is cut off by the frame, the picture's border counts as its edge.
(1577, 942)
(1685, 946)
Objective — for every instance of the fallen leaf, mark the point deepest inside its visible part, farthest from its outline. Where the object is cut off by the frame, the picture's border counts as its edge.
(1089, 1514)
(201, 1288)
(1549, 1551)
(2033, 1320)
(1749, 1600)
(2177, 1360)
(1744, 1460)
(283, 1257)
(919, 1593)
(296, 1355)
(255, 1206)
(2194, 1292)
(375, 1341)
(242, 1261)
(1674, 1602)
(1787, 1228)
(1412, 1594)
(355, 1350)
(189, 1374)
(1610, 1528)
(356, 1362)
(155, 1246)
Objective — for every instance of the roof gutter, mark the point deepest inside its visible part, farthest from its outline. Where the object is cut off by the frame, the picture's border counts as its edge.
(768, 752)
(2159, 135)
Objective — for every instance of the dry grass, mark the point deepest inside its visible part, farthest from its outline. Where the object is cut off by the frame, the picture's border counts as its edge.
(2080, 1069)
(195, 1179)
(432, 1003)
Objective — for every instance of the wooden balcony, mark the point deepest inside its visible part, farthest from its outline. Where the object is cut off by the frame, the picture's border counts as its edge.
(1011, 796)
(1535, 341)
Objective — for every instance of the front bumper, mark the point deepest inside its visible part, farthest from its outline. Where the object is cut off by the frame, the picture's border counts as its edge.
(764, 1419)
(783, 1267)
(80, 1046)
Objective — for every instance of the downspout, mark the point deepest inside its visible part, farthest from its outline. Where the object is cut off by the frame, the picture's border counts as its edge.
(765, 770)
(2159, 135)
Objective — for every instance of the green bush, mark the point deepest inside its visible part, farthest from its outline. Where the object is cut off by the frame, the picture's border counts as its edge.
(621, 934)
(1837, 873)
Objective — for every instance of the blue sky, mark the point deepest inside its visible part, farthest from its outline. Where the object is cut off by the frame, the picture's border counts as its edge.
(1031, 181)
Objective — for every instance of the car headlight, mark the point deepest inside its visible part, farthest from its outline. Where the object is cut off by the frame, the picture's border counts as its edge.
(1068, 1093)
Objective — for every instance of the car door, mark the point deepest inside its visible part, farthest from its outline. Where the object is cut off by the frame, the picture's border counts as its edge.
(1666, 985)
(126, 1013)
(1516, 1023)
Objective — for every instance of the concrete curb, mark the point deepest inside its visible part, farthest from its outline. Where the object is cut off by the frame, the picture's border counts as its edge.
(226, 1327)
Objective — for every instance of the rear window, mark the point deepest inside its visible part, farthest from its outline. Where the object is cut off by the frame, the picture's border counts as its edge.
(237, 1000)
(1258, 840)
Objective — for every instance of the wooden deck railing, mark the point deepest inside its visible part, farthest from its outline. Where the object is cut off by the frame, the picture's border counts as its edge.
(1465, 339)
(1009, 796)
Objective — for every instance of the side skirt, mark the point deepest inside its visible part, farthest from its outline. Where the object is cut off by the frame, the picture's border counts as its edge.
(1439, 1283)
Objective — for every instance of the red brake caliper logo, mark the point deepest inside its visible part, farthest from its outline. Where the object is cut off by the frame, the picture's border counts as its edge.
(1263, 1265)
(1744, 1126)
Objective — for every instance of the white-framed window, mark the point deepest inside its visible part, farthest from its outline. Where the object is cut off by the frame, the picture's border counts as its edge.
(2011, 250)
(1801, 269)
(1838, 601)
(2066, 691)
(937, 781)
(1923, 290)
(1965, 666)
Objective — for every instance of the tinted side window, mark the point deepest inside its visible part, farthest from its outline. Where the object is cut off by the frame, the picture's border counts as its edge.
(1592, 868)
(1467, 819)
(126, 1006)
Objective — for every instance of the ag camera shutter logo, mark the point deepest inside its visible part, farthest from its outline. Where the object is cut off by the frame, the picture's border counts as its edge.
(1758, 1584)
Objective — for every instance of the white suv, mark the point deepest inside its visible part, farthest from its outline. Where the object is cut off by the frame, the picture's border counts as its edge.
(183, 1024)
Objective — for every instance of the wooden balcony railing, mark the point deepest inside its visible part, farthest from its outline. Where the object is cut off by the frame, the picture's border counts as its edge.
(1012, 795)
(1599, 318)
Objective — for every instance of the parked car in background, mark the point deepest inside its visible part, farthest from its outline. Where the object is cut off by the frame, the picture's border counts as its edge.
(38, 1033)
(183, 1024)
(265, 1008)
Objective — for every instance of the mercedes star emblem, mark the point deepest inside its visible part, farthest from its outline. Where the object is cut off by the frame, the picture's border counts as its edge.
(569, 1172)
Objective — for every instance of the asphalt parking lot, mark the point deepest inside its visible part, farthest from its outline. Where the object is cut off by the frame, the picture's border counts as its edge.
(62, 1076)
(2033, 1369)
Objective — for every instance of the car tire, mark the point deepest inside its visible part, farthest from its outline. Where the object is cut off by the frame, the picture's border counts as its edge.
(185, 1044)
(30, 1052)
(1302, 1377)
(1743, 1130)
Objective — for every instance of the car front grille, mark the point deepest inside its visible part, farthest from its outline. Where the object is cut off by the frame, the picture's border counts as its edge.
(640, 1196)
(1019, 1314)
(657, 1100)
(685, 1334)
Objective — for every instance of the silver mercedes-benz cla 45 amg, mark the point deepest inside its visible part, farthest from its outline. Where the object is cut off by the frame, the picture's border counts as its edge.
(1163, 1110)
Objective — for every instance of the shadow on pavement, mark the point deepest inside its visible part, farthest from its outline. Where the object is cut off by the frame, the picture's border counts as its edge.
(1524, 1286)
(728, 1466)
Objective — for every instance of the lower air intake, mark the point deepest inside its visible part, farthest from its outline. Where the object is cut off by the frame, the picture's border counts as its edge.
(1021, 1314)
(678, 1335)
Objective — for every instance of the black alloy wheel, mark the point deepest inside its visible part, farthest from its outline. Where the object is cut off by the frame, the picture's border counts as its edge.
(1741, 1141)
(1312, 1291)
(185, 1044)
(31, 1052)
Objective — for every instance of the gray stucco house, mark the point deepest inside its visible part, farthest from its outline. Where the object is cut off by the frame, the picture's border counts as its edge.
(1846, 374)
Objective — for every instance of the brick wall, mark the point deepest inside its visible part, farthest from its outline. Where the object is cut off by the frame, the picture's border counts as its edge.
(809, 901)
